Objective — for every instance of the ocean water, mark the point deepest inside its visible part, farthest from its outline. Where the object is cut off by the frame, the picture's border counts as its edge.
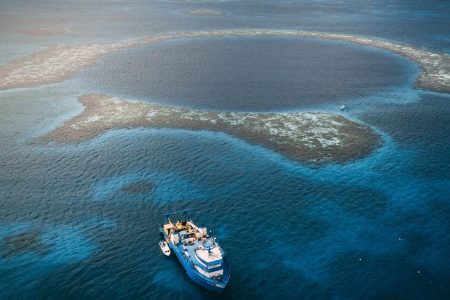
(247, 74)
(374, 228)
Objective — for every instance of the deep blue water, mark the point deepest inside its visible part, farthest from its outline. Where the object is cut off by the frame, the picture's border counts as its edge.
(375, 228)
(250, 74)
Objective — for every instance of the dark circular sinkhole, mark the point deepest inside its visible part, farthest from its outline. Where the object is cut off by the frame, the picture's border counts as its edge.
(247, 74)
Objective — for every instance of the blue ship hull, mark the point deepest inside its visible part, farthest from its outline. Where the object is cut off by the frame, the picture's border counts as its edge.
(198, 278)
(205, 282)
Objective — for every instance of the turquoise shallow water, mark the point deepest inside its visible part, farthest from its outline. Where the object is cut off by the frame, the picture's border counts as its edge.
(373, 228)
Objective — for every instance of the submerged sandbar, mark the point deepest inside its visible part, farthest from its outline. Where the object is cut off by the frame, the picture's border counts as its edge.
(311, 137)
(57, 64)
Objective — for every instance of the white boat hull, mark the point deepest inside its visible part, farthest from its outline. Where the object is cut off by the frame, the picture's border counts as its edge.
(165, 249)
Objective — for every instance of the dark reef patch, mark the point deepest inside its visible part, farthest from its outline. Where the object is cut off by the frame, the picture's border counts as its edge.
(138, 187)
(29, 241)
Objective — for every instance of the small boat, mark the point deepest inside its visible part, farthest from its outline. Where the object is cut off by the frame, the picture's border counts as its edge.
(164, 248)
(200, 255)
(343, 107)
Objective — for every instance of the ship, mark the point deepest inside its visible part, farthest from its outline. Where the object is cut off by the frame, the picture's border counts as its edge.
(200, 254)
